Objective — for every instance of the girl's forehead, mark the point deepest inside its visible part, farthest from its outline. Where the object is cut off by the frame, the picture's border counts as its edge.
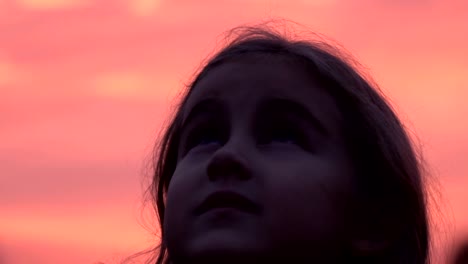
(245, 83)
(250, 77)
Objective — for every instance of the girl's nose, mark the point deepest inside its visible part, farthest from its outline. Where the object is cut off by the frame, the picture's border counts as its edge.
(228, 163)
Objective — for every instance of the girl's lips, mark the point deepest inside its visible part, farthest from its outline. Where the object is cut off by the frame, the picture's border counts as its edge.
(227, 199)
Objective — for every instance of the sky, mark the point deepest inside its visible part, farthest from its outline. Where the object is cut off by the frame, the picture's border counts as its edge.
(87, 86)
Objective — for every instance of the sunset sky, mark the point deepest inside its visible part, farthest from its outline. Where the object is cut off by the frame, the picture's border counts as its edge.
(86, 86)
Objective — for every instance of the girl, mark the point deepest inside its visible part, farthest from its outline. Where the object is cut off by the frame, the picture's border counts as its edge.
(281, 152)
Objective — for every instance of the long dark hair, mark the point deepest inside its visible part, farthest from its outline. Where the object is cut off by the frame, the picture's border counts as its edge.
(461, 253)
(391, 206)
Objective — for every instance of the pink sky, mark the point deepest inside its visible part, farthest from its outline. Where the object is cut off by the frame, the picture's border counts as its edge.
(86, 86)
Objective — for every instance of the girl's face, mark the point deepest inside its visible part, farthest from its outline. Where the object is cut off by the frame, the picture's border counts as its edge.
(262, 168)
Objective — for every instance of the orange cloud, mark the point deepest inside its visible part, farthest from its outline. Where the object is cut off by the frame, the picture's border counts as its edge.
(8, 73)
(79, 229)
(144, 8)
(73, 227)
(126, 84)
(130, 85)
(51, 4)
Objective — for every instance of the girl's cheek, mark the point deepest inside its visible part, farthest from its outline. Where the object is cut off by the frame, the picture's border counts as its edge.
(198, 155)
(189, 172)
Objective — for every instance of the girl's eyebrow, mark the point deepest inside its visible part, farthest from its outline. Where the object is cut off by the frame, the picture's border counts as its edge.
(205, 106)
(283, 105)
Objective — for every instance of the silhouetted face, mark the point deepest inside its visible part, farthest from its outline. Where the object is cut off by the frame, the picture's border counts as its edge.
(262, 172)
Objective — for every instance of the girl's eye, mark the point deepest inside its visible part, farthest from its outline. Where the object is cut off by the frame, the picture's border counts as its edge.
(281, 134)
(207, 139)
(284, 136)
(203, 137)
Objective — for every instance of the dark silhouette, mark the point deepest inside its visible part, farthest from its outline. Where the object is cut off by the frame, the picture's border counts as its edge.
(461, 253)
(281, 151)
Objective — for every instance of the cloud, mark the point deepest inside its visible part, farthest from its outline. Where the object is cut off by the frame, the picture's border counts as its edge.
(78, 234)
(96, 150)
(40, 5)
(127, 84)
(51, 4)
(74, 226)
(9, 73)
(144, 8)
